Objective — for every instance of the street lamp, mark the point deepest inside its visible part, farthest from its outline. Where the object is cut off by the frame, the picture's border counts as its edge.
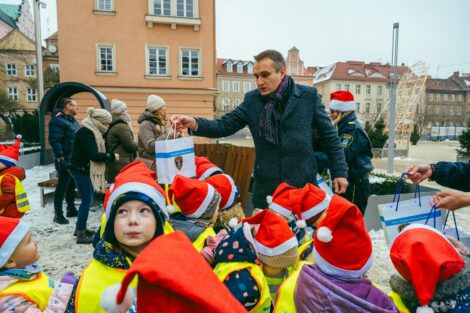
(37, 28)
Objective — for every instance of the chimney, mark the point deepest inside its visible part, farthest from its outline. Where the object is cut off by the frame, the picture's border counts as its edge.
(456, 74)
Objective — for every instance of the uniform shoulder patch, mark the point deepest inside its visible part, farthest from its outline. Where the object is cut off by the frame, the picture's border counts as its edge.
(352, 123)
(346, 140)
(58, 114)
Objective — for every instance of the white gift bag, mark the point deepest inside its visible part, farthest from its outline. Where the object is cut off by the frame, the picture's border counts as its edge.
(395, 216)
(174, 156)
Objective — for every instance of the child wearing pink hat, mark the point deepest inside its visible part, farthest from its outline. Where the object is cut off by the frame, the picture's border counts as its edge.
(13, 198)
(23, 286)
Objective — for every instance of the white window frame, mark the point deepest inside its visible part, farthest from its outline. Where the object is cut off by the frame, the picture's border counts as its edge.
(104, 5)
(338, 87)
(164, 9)
(459, 109)
(452, 97)
(358, 89)
(249, 68)
(225, 104)
(430, 109)
(11, 69)
(29, 70)
(235, 86)
(225, 85)
(246, 87)
(13, 93)
(98, 58)
(186, 4)
(368, 89)
(31, 95)
(438, 97)
(437, 109)
(459, 98)
(445, 98)
(235, 102)
(229, 67)
(367, 107)
(239, 67)
(346, 87)
(379, 106)
(430, 97)
(293, 69)
(191, 51)
(379, 90)
(157, 65)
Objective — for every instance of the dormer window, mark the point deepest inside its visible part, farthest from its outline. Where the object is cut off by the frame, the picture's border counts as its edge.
(229, 66)
(250, 68)
(240, 67)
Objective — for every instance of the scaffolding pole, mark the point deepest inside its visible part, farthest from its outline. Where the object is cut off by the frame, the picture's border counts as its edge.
(393, 99)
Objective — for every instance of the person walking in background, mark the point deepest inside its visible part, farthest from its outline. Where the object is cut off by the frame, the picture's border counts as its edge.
(87, 165)
(282, 117)
(62, 129)
(119, 139)
(356, 145)
(152, 124)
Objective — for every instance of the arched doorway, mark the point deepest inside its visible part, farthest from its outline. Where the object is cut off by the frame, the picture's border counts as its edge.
(53, 96)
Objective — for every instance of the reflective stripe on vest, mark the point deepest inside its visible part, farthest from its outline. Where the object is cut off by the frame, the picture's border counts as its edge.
(200, 241)
(173, 203)
(285, 295)
(222, 270)
(37, 290)
(94, 280)
(22, 204)
(396, 299)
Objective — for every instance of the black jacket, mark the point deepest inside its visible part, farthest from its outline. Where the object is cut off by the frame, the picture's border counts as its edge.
(292, 160)
(455, 175)
(85, 149)
(357, 148)
(62, 130)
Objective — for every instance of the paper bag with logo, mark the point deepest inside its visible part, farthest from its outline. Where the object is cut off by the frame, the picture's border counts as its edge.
(395, 216)
(174, 156)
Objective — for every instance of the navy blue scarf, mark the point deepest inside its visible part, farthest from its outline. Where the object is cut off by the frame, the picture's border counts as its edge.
(268, 125)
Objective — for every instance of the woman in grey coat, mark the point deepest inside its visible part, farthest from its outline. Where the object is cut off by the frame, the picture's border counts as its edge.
(152, 124)
(119, 139)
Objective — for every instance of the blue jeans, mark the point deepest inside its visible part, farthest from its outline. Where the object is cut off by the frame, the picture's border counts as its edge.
(85, 189)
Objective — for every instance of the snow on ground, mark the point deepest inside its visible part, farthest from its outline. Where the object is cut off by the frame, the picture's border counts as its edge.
(60, 253)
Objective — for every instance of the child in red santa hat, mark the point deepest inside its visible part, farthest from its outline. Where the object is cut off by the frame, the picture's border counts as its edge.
(135, 215)
(13, 199)
(434, 277)
(336, 283)
(168, 282)
(23, 286)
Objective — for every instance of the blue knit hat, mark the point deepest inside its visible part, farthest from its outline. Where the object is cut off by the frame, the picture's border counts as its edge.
(117, 106)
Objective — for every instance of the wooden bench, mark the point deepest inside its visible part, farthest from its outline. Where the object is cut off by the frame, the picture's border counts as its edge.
(46, 185)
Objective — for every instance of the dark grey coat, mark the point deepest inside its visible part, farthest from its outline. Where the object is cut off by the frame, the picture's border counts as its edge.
(292, 160)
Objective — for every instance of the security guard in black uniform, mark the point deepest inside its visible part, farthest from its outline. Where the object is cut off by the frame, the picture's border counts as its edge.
(357, 147)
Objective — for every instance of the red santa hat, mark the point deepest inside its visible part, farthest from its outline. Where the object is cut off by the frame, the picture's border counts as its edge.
(423, 256)
(225, 185)
(189, 287)
(315, 200)
(286, 200)
(275, 243)
(342, 245)
(135, 177)
(205, 168)
(9, 154)
(12, 231)
(342, 101)
(192, 196)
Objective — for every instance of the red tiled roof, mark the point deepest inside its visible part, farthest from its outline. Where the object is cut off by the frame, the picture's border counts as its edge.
(445, 84)
(221, 69)
(361, 71)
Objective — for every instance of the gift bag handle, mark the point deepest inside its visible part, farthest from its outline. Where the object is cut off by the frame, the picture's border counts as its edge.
(399, 188)
(433, 209)
(455, 224)
(169, 132)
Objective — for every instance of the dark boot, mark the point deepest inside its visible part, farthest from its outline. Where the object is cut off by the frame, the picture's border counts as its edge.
(83, 237)
(60, 219)
(87, 232)
(71, 212)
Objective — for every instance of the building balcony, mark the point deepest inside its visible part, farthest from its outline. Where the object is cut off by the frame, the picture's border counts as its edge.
(173, 21)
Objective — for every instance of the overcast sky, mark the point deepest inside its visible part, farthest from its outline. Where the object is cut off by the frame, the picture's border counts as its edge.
(328, 31)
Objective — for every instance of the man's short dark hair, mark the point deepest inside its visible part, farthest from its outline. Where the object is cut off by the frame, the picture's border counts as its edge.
(63, 102)
(275, 56)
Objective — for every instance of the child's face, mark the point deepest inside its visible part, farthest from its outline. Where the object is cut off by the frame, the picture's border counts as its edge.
(25, 254)
(134, 225)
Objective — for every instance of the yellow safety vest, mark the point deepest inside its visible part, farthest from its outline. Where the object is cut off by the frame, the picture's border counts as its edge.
(95, 279)
(398, 302)
(200, 241)
(36, 290)
(302, 248)
(285, 295)
(222, 270)
(173, 203)
(22, 204)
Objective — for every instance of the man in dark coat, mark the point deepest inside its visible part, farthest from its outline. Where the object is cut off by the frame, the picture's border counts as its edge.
(62, 129)
(281, 116)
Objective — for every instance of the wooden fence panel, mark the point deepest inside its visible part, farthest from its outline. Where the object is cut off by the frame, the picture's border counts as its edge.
(235, 161)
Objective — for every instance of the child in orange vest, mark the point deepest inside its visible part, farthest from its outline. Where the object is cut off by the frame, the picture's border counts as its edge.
(23, 286)
(13, 199)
